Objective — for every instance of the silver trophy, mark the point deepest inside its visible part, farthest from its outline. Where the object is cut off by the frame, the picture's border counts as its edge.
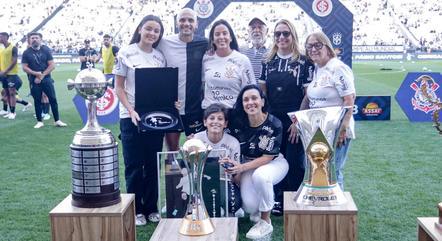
(94, 151)
(196, 220)
(319, 131)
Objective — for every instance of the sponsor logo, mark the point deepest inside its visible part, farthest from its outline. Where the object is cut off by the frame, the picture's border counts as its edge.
(419, 101)
(337, 38)
(107, 103)
(372, 109)
(203, 8)
(159, 120)
(322, 8)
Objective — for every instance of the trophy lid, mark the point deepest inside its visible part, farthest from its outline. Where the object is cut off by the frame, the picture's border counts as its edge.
(194, 145)
(90, 76)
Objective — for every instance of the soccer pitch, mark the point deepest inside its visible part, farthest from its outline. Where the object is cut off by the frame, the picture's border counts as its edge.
(393, 171)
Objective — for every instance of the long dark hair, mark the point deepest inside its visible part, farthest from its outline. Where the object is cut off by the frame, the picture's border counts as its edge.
(233, 43)
(239, 116)
(136, 37)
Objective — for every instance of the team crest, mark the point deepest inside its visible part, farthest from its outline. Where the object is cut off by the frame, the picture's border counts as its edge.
(322, 8)
(419, 101)
(203, 8)
(337, 38)
(107, 103)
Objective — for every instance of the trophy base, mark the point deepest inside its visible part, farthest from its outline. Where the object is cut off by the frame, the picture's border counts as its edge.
(320, 196)
(197, 227)
(95, 200)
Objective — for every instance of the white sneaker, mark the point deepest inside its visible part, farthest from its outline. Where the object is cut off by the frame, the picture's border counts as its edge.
(39, 125)
(60, 123)
(154, 217)
(7, 115)
(260, 230)
(140, 220)
(4, 112)
(26, 107)
(255, 217)
(46, 116)
(239, 213)
(11, 116)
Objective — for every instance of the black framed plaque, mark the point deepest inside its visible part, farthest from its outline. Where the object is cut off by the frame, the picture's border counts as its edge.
(156, 90)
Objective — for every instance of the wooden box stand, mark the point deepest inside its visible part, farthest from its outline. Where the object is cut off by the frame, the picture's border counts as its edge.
(112, 223)
(226, 229)
(335, 223)
(427, 230)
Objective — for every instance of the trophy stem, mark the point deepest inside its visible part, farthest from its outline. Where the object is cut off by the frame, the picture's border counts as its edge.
(92, 123)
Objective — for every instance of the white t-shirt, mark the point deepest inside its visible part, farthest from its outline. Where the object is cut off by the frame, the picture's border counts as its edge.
(228, 142)
(130, 58)
(224, 78)
(330, 84)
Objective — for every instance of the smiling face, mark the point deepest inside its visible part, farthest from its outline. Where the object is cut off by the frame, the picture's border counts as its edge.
(149, 32)
(186, 24)
(221, 37)
(317, 51)
(215, 123)
(283, 37)
(257, 32)
(252, 102)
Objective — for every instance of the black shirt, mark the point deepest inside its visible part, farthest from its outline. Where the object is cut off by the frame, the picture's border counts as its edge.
(285, 81)
(87, 52)
(37, 60)
(262, 140)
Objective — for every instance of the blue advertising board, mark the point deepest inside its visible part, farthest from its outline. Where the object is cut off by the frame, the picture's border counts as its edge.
(410, 98)
(108, 111)
(372, 108)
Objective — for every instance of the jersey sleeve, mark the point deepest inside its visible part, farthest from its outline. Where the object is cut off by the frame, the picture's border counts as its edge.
(236, 155)
(263, 78)
(307, 73)
(115, 50)
(247, 76)
(344, 80)
(120, 67)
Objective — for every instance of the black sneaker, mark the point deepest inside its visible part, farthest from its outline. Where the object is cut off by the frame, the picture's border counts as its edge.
(278, 209)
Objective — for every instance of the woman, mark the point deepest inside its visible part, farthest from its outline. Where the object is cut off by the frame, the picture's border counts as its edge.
(226, 71)
(332, 85)
(262, 164)
(285, 74)
(139, 149)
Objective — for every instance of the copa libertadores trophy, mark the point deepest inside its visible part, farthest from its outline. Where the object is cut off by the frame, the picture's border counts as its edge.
(196, 220)
(319, 130)
(94, 151)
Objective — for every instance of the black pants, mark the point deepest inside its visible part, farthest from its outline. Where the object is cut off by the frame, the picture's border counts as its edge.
(140, 161)
(294, 153)
(46, 86)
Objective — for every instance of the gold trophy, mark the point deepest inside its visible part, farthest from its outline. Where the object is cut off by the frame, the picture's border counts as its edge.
(196, 221)
(319, 129)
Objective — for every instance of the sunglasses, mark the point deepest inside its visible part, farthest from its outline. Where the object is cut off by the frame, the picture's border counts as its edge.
(286, 34)
(317, 46)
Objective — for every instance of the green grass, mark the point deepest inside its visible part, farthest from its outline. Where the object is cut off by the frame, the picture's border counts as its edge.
(393, 171)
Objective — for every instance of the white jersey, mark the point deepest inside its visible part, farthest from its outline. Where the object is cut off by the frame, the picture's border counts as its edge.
(330, 84)
(225, 77)
(228, 142)
(130, 58)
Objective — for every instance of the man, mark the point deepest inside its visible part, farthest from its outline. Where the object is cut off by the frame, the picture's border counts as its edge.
(38, 63)
(108, 52)
(256, 50)
(9, 73)
(87, 55)
(185, 51)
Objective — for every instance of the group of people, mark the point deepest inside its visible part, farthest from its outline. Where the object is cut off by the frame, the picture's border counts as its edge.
(235, 98)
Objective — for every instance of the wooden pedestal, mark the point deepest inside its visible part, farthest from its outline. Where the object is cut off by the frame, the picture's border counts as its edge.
(427, 231)
(226, 229)
(112, 223)
(309, 223)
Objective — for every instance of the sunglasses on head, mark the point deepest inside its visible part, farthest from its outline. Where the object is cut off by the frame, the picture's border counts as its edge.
(317, 46)
(286, 34)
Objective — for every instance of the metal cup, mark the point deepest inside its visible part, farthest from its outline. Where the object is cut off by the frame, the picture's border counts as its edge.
(196, 220)
(319, 131)
(94, 151)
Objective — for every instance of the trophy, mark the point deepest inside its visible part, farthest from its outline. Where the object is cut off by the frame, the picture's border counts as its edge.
(319, 131)
(94, 151)
(196, 220)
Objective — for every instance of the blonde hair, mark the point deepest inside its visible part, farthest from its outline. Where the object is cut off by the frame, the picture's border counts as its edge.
(296, 50)
(321, 37)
